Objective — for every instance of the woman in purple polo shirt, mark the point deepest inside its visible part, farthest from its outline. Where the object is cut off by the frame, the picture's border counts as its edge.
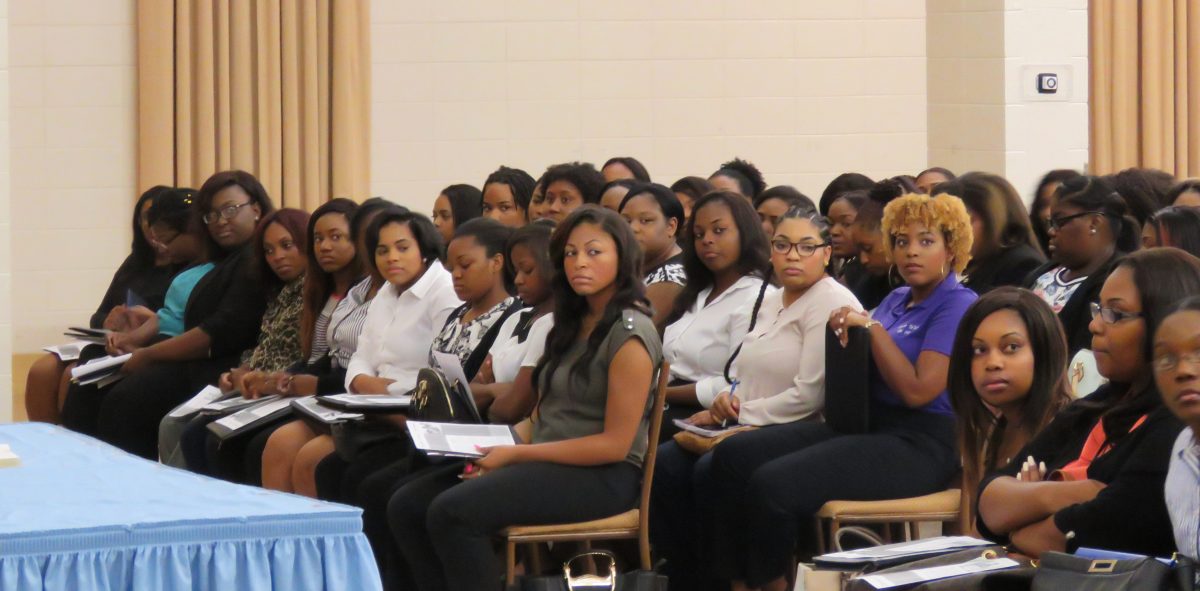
(910, 449)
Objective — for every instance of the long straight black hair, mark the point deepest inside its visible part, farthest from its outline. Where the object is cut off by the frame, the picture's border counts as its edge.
(754, 256)
(318, 284)
(570, 308)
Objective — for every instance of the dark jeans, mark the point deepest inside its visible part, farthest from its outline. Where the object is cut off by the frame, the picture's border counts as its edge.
(770, 483)
(445, 528)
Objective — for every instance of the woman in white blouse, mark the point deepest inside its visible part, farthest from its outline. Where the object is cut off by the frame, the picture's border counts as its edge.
(402, 321)
(782, 390)
(503, 387)
(726, 262)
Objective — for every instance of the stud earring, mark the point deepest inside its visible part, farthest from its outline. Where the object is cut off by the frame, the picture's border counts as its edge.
(1093, 232)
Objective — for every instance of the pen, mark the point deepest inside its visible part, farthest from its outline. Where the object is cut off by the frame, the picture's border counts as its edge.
(732, 389)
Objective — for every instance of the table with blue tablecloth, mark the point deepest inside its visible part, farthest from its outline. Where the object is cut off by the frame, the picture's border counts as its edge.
(77, 514)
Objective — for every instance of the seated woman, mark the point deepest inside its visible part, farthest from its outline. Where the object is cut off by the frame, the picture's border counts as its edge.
(843, 213)
(146, 273)
(1094, 477)
(772, 203)
(221, 320)
(587, 438)
(781, 368)
(325, 374)
(1089, 228)
(624, 167)
(656, 217)
(1176, 372)
(1173, 226)
(614, 192)
(506, 194)
(879, 275)
(503, 387)
(739, 176)
(171, 218)
(689, 190)
(1002, 397)
(567, 186)
(537, 202)
(455, 206)
(402, 320)
(1005, 250)
(281, 255)
(1043, 201)
(727, 261)
(909, 449)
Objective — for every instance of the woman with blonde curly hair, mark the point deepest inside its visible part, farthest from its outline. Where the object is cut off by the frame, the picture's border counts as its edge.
(909, 449)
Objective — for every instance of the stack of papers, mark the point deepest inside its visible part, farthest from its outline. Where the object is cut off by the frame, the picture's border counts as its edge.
(458, 440)
(898, 553)
(367, 402)
(703, 431)
(200, 400)
(233, 403)
(101, 371)
(261, 413)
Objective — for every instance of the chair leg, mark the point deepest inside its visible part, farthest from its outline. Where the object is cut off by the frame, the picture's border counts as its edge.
(510, 561)
(821, 547)
(533, 555)
(834, 526)
(644, 548)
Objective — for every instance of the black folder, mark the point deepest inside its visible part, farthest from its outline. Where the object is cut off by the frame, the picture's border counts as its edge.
(848, 381)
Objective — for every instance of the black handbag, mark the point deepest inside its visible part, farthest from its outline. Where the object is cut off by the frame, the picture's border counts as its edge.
(611, 580)
(1136, 573)
(438, 400)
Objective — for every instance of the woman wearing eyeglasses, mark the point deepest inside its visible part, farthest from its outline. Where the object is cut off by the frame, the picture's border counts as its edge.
(220, 321)
(1089, 228)
(781, 368)
(1094, 477)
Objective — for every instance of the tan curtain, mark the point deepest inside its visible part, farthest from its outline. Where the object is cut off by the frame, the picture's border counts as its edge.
(1145, 85)
(276, 87)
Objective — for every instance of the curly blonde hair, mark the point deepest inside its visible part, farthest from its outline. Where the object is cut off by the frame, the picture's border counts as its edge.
(944, 213)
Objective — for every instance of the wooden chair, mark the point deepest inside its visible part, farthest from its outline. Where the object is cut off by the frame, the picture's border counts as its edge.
(632, 524)
(940, 507)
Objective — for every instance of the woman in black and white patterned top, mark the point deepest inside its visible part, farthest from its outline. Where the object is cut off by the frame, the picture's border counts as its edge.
(656, 216)
(475, 258)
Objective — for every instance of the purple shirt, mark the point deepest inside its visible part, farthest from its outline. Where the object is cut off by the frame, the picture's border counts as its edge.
(927, 326)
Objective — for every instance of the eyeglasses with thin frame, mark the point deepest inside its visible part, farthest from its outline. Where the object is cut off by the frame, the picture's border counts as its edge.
(1111, 315)
(804, 249)
(226, 213)
(1057, 223)
(1169, 361)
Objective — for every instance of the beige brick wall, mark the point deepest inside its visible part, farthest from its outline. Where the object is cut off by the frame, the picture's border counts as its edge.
(806, 89)
(73, 113)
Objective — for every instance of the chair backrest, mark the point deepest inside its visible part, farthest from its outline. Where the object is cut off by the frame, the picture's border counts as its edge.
(656, 415)
(848, 381)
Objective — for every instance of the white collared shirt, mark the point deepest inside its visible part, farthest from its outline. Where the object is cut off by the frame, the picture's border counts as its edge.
(699, 344)
(782, 364)
(1183, 493)
(400, 328)
(510, 352)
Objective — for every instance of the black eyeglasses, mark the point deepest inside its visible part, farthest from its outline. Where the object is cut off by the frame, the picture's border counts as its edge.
(1110, 315)
(225, 213)
(1057, 223)
(804, 249)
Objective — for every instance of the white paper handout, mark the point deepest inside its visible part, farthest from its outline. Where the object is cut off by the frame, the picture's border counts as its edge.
(371, 399)
(312, 408)
(933, 573)
(8, 459)
(931, 546)
(453, 370)
(206, 395)
(458, 439)
(69, 351)
(235, 403)
(99, 368)
(701, 431)
(244, 417)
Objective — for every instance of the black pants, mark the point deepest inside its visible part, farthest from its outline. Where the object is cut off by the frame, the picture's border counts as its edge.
(445, 529)
(129, 414)
(768, 484)
(680, 517)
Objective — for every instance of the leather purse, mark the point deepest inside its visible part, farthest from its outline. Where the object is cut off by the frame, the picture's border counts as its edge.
(610, 580)
(700, 445)
(1135, 573)
(438, 400)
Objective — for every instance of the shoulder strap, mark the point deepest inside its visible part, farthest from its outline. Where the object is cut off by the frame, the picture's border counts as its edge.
(762, 290)
(480, 352)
